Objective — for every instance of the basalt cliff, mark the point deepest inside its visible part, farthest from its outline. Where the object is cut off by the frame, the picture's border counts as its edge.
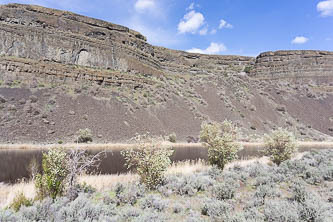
(61, 72)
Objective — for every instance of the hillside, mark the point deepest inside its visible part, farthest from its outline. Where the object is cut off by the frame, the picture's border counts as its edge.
(61, 72)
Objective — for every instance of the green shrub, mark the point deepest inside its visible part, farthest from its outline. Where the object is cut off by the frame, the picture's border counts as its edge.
(150, 159)
(52, 181)
(84, 136)
(248, 69)
(19, 201)
(172, 138)
(220, 140)
(280, 145)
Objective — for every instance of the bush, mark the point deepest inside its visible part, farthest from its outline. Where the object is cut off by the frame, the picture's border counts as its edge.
(172, 138)
(280, 145)
(151, 216)
(52, 181)
(61, 170)
(154, 202)
(84, 136)
(129, 212)
(129, 194)
(20, 200)
(150, 159)
(186, 185)
(215, 208)
(281, 211)
(248, 69)
(83, 209)
(219, 138)
(225, 191)
(312, 210)
(177, 208)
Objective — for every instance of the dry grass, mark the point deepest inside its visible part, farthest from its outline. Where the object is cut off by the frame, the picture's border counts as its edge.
(187, 167)
(8, 192)
(100, 182)
(261, 160)
(104, 182)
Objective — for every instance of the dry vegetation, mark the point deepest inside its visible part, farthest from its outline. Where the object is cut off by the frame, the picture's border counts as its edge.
(283, 186)
(300, 189)
(103, 182)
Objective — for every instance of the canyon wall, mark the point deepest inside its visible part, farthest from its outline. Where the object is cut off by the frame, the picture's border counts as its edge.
(301, 63)
(61, 72)
(40, 33)
(46, 34)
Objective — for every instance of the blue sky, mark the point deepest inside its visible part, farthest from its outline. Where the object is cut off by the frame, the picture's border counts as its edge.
(242, 27)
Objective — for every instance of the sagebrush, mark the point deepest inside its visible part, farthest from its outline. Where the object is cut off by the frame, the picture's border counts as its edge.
(254, 192)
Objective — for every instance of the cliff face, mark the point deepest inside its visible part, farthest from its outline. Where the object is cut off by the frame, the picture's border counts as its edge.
(46, 34)
(284, 64)
(61, 72)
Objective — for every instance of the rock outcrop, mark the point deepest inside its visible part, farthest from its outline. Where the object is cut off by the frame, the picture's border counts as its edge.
(294, 64)
(40, 33)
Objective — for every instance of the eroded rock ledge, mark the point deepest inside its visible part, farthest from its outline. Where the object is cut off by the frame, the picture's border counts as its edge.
(300, 63)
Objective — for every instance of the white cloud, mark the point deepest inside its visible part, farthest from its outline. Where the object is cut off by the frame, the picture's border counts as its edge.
(214, 48)
(191, 22)
(299, 40)
(213, 31)
(225, 24)
(142, 5)
(325, 8)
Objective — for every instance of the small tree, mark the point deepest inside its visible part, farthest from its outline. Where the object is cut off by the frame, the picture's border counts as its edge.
(61, 170)
(78, 163)
(280, 145)
(52, 181)
(220, 140)
(151, 158)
